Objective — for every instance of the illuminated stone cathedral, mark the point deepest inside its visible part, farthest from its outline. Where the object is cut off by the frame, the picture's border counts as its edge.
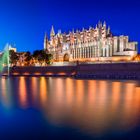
(89, 45)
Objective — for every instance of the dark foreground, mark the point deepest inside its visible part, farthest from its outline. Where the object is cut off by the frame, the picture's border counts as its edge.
(39, 108)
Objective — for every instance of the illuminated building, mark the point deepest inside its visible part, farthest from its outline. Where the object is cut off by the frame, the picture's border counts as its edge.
(10, 47)
(88, 45)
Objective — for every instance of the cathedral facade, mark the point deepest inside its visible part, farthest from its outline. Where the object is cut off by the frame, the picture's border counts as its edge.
(89, 45)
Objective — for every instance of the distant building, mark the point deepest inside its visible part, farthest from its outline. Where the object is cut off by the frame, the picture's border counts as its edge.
(12, 48)
(88, 45)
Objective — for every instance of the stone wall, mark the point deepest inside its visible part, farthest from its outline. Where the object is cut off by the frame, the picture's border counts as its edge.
(109, 71)
(41, 71)
(93, 71)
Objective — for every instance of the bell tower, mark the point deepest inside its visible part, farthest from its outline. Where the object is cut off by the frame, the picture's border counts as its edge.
(46, 42)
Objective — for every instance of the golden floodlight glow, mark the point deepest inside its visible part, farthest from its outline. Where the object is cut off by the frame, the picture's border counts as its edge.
(49, 73)
(37, 73)
(26, 73)
(62, 73)
(15, 73)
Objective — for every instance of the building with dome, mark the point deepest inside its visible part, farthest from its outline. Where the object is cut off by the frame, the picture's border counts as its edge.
(93, 44)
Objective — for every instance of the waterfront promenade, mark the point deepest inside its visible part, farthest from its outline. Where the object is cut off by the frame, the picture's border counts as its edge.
(90, 71)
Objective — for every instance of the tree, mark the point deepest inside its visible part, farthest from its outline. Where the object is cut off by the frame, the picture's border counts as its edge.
(41, 56)
(13, 57)
(49, 58)
(36, 54)
(28, 57)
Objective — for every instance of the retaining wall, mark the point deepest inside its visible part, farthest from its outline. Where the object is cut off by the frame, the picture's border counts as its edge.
(94, 71)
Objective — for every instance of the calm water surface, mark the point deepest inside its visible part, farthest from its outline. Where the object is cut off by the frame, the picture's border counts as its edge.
(63, 108)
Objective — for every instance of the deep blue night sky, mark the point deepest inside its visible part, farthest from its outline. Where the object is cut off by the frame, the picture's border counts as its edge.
(24, 22)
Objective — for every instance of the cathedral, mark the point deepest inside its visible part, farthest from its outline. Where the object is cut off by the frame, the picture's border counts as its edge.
(93, 44)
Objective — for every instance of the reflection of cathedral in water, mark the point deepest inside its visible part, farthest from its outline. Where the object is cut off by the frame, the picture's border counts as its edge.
(89, 44)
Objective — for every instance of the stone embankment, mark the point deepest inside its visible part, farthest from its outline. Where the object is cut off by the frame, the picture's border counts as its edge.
(81, 71)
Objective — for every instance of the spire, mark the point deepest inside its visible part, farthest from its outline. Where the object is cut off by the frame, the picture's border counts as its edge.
(59, 31)
(108, 30)
(45, 41)
(96, 27)
(52, 32)
(73, 30)
(104, 24)
(90, 27)
(99, 24)
(45, 36)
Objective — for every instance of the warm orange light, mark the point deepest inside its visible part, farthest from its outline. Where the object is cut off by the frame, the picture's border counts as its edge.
(15, 73)
(115, 97)
(35, 89)
(37, 73)
(22, 92)
(69, 93)
(61, 73)
(26, 73)
(136, 58)
(49, 73)
(5, 97)
(43, 91)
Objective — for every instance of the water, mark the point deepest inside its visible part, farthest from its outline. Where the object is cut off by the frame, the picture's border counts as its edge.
(63, 108)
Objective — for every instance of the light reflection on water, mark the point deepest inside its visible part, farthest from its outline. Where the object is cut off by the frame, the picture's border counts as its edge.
(94, 107)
